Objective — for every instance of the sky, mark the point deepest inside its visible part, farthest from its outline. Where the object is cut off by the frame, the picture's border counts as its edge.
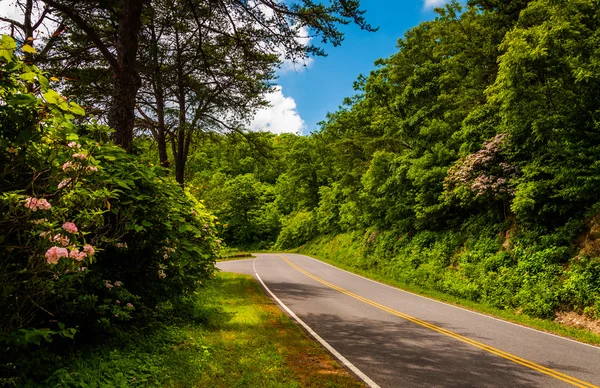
(305, 95)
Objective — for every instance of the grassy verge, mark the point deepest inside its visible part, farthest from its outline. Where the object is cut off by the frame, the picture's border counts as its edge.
(245, 341)
(324, 251)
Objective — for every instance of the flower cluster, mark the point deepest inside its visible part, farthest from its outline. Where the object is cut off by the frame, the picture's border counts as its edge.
(483, 172)
(37, 204)
(70, 227)
(55, 253)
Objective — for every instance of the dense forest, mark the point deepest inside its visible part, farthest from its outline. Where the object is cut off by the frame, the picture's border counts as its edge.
(465, 163)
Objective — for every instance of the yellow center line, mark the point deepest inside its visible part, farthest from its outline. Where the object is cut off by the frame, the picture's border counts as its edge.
(518, 360)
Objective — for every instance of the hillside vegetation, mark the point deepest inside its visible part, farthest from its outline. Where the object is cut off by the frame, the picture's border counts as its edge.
(466, 163)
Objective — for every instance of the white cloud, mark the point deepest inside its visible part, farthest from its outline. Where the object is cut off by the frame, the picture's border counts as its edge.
(431, 4)
(280, 117)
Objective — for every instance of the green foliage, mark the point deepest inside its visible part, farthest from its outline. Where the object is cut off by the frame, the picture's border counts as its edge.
(92, 239)
(466, 163)
(298, 228)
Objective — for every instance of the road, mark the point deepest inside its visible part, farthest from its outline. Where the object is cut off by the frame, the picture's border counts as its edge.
(393, 338)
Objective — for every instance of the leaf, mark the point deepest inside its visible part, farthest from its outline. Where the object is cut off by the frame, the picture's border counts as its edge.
(22, 99)
(52, 97)
(8, 43)
(54, 79)
(43, 82)
(76, 109)
(28, 76)
(28, 49)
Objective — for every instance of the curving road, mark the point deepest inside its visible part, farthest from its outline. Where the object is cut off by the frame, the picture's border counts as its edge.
(391, 338)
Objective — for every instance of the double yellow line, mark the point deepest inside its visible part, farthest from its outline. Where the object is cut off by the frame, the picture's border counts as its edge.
(511, 357)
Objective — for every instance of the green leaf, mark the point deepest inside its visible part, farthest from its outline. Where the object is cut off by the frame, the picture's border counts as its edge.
(8, 43)
(30, 76)
(52, 97)
(43, 82)
(22, 99)
(76, 109)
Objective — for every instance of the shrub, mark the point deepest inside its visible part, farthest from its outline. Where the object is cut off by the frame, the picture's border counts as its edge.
(90, 237)
(298, 228)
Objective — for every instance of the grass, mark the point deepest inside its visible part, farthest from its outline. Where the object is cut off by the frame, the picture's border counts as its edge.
(324, 254)
(235, 254)
(245, 341)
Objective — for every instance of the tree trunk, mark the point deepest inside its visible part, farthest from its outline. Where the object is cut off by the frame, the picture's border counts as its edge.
(121, 115)
(180, 155)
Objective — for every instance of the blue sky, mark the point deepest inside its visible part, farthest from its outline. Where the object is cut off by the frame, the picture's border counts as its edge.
(327, 80)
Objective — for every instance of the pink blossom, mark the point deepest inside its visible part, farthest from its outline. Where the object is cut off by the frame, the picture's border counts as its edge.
(92, 168)
(67, 166)
(73, 145)
(117, 301)
(81, 269)
(55, 253)
(35, 204)
(87, 248)
(64, 182)
(118, 283)
(62, 240)
(80, 156)
(129, 305)
(70, 227)
(108, 285)
(77, 255)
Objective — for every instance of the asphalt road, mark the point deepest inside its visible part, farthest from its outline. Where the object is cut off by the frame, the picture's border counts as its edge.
(398, 339)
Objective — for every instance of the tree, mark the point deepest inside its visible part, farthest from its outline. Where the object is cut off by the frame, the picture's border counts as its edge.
(113, 28)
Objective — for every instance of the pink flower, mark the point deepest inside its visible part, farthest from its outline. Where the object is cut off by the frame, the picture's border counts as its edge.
(129, 305)
(118, 283)
(92, 168)
(35, 204)
(108, 285)
(77, 255)
(62, 240)
(81, 269)
(87, 248)
(55, 253)
(67, 166)
(80, 156)
(70, 227)
(64, 182)
(117, 301)
(73, 145)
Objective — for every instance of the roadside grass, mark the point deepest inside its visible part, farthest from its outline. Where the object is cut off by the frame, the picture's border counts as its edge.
(325, 254)
(244, 341)
(235, 254)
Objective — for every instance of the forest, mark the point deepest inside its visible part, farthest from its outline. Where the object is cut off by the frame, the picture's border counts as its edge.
(467, 163)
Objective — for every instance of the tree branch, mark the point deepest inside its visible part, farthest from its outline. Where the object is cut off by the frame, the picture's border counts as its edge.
(90, 32)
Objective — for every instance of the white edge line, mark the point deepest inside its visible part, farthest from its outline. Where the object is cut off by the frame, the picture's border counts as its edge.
(448, 304)
(330, 348)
